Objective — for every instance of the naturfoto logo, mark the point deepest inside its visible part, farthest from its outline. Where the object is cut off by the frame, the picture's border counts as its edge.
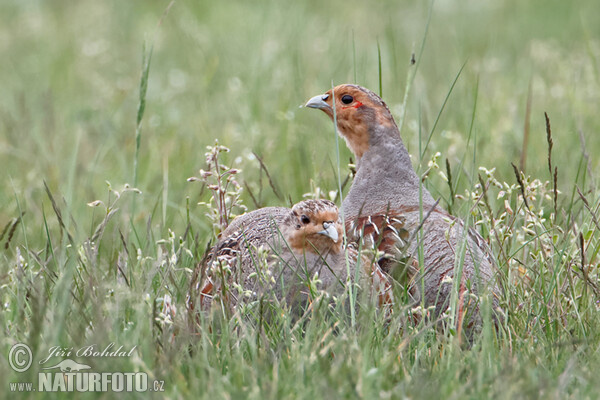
(69, 375)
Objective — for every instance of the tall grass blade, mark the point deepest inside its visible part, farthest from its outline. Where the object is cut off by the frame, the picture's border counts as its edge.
(414, 67)
(379, 69)
(437, 118)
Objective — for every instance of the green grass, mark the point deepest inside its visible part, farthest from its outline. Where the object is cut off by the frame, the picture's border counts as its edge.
(75, 271)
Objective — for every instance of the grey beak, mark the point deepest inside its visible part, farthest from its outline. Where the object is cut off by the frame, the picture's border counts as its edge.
(330, 231)
(318, 102)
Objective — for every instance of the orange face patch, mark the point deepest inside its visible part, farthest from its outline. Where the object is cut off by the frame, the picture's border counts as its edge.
(355, 132)
(308, 239)
(309, 219)
(357, 111)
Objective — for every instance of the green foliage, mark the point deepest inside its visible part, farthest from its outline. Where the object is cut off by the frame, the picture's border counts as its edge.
(91, 254)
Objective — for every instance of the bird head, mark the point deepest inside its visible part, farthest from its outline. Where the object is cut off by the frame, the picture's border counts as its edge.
(361, 115)
(313, 225)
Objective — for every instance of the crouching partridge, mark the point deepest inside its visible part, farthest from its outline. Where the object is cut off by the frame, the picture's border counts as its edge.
(387, 204)
(283, 254)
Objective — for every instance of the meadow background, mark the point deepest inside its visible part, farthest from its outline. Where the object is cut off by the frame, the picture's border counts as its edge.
(76, 271)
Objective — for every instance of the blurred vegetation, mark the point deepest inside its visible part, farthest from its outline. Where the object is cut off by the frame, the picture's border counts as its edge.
(238, 72)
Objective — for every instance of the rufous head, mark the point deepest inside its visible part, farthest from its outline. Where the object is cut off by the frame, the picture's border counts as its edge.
(314, 226)
(359, 114)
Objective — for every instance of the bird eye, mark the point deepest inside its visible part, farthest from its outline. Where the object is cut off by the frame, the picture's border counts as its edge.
(347, 99)
(305, 220)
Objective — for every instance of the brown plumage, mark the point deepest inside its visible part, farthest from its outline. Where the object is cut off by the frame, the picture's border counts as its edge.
(384, 205)
(277, 251)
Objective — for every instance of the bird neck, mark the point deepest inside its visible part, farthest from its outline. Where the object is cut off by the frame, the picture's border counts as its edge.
(385, 178)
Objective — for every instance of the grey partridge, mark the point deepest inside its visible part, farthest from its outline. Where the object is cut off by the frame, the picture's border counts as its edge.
(278, 251)
(387, 204)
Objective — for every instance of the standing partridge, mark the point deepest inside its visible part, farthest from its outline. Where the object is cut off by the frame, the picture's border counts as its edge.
(387, 203)
(277, 251)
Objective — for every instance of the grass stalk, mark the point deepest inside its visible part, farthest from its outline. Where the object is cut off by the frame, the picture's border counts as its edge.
(349, 285)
